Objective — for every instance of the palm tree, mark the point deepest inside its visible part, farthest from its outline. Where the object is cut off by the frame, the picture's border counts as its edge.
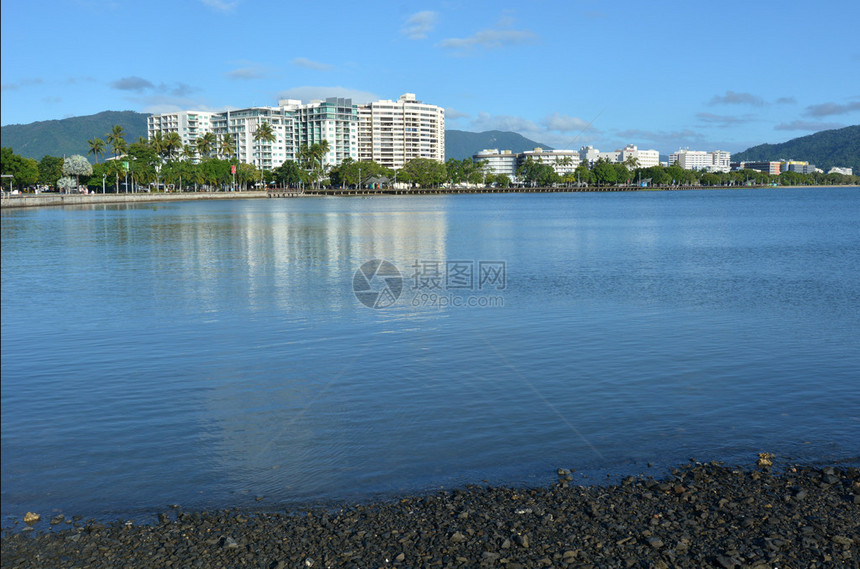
(206, 144)
(117, 142)
(158, 143)
(264, 133)
(172, 144)
(226, 146)
(189, 152)
(97, 147)
(322, 148)
(116, 139)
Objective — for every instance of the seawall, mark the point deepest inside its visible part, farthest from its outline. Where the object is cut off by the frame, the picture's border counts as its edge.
(95, 199)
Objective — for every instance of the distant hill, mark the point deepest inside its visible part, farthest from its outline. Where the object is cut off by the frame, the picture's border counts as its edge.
(825, 149)
(462, 144)
(69, 136)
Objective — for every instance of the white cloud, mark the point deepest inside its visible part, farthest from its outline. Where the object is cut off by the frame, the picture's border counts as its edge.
(810, 126)
(420, 24)
(132, 83)
(19, 84)
(485, 121)
(308, 93)
(723, 120)
(248, 70)
(564, 123)
(732, 98)
(310, 64)
(490, 39)
(666, 140)
(828, 109)
(221, 5)
(454, 114)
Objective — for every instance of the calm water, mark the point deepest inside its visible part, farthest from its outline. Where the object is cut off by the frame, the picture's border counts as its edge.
(208, 354)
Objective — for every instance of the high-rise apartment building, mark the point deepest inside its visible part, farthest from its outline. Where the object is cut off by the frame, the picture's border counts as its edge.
(190, 125)
(242, 125)
(388, 132)
(392, 133)
(334, 119)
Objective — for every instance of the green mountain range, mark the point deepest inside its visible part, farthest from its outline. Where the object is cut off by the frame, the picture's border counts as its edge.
(825, 149)
(462, 144)
(69, 136)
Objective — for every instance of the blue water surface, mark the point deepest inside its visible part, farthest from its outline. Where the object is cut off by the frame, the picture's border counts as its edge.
(213, 354)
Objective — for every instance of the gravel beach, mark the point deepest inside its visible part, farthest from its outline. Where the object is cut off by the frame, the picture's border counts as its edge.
(700, 515)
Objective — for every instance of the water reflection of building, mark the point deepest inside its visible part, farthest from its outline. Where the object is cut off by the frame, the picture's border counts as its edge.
(295, 255)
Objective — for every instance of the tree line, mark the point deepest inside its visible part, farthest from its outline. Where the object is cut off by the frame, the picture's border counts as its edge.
(211, 164)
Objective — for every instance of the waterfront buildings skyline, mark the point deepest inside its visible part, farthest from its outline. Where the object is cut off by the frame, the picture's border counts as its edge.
(388, 132)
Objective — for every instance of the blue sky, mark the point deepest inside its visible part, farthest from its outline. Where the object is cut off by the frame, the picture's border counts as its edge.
(662, 75)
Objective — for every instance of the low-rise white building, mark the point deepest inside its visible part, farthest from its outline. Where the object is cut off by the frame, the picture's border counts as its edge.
(502, 162)
(644, 158)
(588, 155)
(562, 161)
(844, 171)
(714, 161)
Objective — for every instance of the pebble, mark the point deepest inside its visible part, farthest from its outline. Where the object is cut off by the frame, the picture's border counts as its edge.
(703, 515)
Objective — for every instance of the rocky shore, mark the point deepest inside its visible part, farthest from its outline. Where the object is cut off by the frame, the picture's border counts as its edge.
(701, 515)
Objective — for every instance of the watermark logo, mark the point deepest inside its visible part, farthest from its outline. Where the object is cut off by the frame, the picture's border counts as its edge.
(377, 284)
(435, 283)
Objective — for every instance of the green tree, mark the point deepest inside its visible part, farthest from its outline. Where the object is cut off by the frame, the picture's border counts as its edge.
(144, 160)
(245, 173)
(172, 145)
(604, 172)
(312, 157)
(97, 147)
(189, 152)
(583, 174)
(264, 133)
(536, 173)
(50, 170)
(24, 171)
(116, 139)
(622, 174)
(289, 174)
(226, 146)
(423, 172)
(206, 145)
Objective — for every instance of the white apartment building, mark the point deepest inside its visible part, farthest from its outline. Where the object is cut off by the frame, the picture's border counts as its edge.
(498, 162)
(588, 155)
(721, 161)
(562, 161)
(334, 119)
(392, 133)
(715, 161)
(242, 125)
(612, 157)
(388, 132)
(188, 124)
(645, 158)
(844, 171)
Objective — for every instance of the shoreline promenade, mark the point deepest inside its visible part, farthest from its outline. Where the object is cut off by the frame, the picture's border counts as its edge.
(40, 200)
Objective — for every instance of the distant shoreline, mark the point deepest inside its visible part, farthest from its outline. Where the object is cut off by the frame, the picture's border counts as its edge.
(42, 200)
